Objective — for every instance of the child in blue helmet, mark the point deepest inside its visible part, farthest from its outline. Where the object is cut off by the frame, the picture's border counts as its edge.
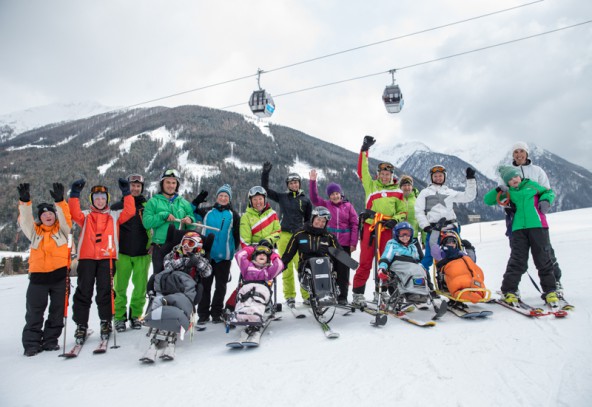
(400, 245)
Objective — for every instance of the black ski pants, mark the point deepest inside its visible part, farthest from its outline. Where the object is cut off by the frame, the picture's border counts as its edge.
(35, 334)
(220, 273)
(535, 240)
(91, 272)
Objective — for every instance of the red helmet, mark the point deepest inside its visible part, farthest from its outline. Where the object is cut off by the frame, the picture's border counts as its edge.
(192, 241)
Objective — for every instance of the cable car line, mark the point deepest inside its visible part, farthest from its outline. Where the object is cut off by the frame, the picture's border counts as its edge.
(422, 63)
(325, 56)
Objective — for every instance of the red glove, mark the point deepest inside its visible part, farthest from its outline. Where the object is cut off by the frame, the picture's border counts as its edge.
(382, 275)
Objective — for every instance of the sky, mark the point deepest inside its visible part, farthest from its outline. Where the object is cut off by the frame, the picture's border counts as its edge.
(505, 360)
(125, 53)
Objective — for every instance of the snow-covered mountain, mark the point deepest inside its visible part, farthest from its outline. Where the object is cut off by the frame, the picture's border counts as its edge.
(13, 124)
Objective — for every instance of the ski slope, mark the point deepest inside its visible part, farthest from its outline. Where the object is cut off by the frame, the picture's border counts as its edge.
(507, 359)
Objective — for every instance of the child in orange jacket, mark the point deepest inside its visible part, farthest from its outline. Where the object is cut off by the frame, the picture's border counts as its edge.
(48, 262)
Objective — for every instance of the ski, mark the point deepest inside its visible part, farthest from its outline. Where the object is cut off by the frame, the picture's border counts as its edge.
(329, 333)
(564, 305)
(77, 347)
(380, 317)
(461, 310)
(169, 351)
(199, 327)
(523, 309)
(404, 317)
(297, 315)
(238, 344)
(249, 338)
(102, 347)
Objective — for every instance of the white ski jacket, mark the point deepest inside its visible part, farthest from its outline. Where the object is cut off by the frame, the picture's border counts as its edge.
(436, 202)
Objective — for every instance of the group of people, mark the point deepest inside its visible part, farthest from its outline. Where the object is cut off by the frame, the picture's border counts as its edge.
(117, 243)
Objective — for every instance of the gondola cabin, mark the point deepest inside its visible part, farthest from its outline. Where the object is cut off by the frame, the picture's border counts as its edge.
(393, 99)
(261, 104)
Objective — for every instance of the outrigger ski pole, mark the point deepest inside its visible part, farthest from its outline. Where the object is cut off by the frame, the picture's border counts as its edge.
(67, 294)
(112, 293)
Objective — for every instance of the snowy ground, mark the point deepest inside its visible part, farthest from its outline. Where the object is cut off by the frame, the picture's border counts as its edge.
(505, 360)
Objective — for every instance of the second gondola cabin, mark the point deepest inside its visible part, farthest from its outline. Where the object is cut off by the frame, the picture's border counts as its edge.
(261, 104)
(393, 99)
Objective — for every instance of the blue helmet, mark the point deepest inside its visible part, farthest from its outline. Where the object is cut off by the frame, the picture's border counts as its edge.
(403, 226)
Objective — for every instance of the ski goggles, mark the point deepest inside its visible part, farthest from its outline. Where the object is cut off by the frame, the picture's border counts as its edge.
(437, 168)
(405, 233)
(135, 178)
(99, 195)
(171, 173)
(263, 249)
(98, 188)
(293, 178)
(386, 167)
(257, 191)
(191, 243)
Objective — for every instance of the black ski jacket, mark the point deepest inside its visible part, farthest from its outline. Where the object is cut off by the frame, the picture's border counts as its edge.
(133, 239)
(295, 207)
(309, 242)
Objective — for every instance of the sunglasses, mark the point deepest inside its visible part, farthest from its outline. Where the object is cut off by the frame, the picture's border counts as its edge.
(135, 178)
(98, 188)
(437, 168)
(386, 167)
(172, 173)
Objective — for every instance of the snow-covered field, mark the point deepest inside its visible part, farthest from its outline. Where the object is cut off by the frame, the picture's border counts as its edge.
(507, 360)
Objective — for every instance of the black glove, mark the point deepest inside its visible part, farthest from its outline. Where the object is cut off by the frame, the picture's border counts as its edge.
(466, 244)
(193, 261)
(24, 194)
(57, 193)
(368, 142)
(544, 207)
(76, 188)
(124, 186)
(265, 243)
(502, 188)
(390, 224)
(200, 198)
(470, 173)
(440, 224)
(428, 229)
(267, 166)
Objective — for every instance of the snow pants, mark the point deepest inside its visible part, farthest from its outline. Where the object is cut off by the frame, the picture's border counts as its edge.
(537, 241)
(342, 276)
(89, 272)
(220, 273)
(136, 269)
(35, 334)
(291, 268)
(367, 253)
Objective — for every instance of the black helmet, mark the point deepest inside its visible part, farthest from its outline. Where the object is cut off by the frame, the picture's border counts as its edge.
(293, 177)
(262, 249)
(137, 178)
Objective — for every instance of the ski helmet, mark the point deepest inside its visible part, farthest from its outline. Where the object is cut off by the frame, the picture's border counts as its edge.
(136, 178)
(435, 169)
(386, 166)
(322, 212)
(171, 173)
(254, 191)
(262, 249)
(403, 226)
(192, 241)
(99, 189)
(294, 177)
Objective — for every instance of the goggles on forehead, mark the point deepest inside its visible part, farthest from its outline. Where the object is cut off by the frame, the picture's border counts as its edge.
(135, 178)
(98, 188)
(386, 167)
(437, 168)
(257, 191)
(172, 173)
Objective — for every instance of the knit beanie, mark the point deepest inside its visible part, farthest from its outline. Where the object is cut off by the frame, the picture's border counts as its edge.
(507, 172)
(406, 179)
(333, 187)
(520, 145)
(224, 188)
(45, 207)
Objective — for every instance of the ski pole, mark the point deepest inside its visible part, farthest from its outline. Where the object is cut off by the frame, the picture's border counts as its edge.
(67, 294)
(197, 225)
(112, 293)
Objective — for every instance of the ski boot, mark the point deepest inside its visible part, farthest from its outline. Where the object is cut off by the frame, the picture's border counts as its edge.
(290, 302)
(358, 300)
(135, 323)
(120, 325)
(106, 329)
(551, 299)
(511, 298)
(80, 334)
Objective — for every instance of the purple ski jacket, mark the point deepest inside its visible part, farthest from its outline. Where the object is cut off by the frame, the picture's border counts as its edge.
(344, 219)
